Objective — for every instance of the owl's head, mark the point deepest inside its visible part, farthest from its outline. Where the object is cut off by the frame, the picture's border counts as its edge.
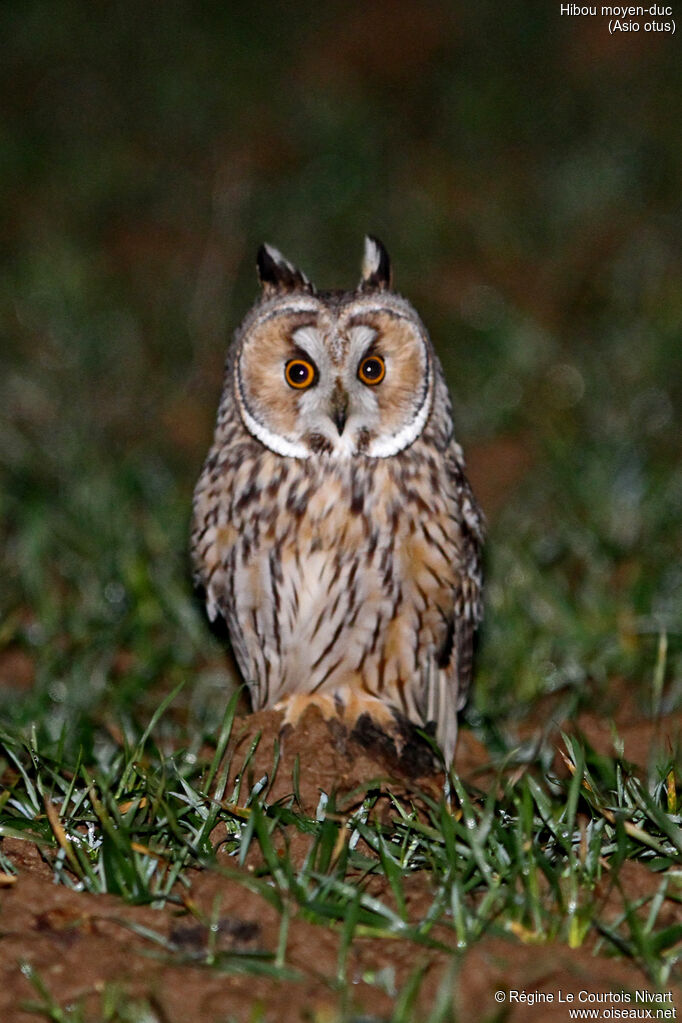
(333, 373)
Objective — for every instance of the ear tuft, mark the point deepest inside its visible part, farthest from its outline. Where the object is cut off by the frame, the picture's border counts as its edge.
(277, 274)
(376, 266)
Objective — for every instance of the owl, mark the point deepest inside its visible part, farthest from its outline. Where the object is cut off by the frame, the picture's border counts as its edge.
(333, 525)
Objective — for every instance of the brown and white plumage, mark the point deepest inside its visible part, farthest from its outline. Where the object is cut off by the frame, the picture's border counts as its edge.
(334, 528)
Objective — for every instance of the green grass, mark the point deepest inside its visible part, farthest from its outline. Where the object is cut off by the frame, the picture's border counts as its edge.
(524, 855)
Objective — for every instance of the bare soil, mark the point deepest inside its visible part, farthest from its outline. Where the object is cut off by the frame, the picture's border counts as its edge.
(78, 942)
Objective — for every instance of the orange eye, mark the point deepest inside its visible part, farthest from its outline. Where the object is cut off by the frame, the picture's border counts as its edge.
(300, 373)
(372, 370)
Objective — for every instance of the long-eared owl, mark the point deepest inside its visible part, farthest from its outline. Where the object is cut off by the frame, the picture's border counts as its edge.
(334, 528)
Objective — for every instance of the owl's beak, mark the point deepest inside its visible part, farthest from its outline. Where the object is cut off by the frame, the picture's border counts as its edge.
(339, 409)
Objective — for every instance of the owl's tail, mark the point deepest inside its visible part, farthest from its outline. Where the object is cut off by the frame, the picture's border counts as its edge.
(441, 709)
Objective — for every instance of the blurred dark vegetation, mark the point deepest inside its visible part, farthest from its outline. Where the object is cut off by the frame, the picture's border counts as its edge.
(523, 169)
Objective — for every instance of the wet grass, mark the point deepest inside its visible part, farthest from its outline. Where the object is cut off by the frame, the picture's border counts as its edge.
(526, 855)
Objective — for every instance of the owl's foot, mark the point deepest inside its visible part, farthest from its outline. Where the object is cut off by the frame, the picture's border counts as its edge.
(400, 744)
(369, 721)
(344, 704)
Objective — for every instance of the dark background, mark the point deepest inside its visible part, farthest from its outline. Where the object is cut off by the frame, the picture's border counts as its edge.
(523, 169)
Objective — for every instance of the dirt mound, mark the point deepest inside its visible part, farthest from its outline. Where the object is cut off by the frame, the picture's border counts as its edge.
(325, 758)
(78, 942)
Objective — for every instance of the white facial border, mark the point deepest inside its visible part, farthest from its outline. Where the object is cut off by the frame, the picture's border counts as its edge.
(389, 446)
(310, 340)
(280, 445)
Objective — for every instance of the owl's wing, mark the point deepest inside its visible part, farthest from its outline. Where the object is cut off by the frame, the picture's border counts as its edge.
(450, 681)
(468, 604)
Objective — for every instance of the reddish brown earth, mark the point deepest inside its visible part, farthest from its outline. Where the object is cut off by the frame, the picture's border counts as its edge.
(79, 942)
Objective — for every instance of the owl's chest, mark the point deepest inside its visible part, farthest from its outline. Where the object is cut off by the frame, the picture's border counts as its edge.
(328, 507)
(370, 528)
(327, 570)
